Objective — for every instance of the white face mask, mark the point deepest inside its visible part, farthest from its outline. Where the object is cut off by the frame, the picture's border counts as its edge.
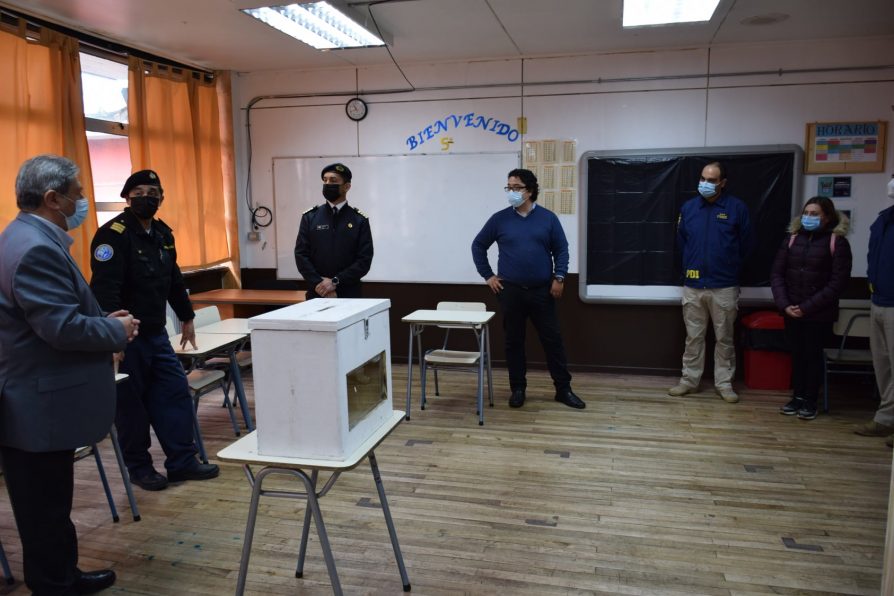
(82, 208)
(515, 198)
(707, 189)
(891, 188)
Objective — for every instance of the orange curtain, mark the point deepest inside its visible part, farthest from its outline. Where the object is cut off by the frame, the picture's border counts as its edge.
(180, 126)
(42, 111)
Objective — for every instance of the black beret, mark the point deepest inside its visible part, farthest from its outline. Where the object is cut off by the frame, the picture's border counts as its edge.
(139, 178)
(340, 169)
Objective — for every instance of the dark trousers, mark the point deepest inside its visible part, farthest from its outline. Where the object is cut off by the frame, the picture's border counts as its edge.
(806, 340)
(156, 393)
(518, 304)
(40, 487)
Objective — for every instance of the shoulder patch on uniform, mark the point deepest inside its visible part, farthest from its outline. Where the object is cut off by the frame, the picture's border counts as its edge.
(103, 252)
(118, 227)
(360, 212)
(311, 209)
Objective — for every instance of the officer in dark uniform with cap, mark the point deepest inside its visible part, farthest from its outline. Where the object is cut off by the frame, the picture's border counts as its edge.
(334, 248)
(134, 265)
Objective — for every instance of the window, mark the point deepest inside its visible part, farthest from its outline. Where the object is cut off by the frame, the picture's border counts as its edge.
(104, 84)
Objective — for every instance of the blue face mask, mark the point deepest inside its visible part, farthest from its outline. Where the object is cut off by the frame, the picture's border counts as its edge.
(515, 198)
(707, 189)
(77, 218)
(810, 222)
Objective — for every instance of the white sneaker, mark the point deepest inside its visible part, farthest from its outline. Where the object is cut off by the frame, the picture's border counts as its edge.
(680, 389)
(728, 395)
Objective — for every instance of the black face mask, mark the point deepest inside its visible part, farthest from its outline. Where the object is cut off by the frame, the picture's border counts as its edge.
(144, 206)
(331, 192)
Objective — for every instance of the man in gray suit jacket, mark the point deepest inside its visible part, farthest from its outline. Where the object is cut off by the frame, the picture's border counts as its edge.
(57, 386)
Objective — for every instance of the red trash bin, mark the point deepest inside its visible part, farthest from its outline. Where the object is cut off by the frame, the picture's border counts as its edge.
(768, 365)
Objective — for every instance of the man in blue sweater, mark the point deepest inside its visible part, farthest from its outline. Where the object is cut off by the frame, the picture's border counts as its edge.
(881, 332)
(714, 237)
(532, 263)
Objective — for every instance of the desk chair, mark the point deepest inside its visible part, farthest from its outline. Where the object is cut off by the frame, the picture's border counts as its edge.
(7, 572)
(207, 316)
(842, 360)
(458, 360)
(83, 452)
(201, 382)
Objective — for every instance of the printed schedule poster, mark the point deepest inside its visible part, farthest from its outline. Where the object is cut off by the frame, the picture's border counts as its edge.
(846, 142)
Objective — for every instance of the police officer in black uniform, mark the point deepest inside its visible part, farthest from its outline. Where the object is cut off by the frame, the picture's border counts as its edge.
(134, 265)
(334, 248)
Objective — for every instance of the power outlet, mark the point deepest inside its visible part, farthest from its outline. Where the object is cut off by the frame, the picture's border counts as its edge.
(254, 236)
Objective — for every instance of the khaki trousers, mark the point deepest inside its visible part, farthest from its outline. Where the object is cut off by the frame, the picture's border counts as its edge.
(721, 306)
(881, 342)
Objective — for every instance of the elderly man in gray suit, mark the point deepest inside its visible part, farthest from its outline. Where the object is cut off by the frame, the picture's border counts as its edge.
(57, 386)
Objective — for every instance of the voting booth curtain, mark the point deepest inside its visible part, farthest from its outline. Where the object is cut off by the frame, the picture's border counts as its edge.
(181, 127)
(41, 111)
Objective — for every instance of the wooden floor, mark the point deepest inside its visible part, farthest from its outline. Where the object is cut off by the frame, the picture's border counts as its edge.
(640, 493)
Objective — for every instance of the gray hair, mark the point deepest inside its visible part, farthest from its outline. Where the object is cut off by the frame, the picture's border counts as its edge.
(40, 174)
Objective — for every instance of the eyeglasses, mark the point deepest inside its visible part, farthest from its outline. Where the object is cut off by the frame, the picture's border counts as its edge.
(514, 188)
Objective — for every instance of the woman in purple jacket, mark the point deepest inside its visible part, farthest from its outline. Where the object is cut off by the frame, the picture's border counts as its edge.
(810, 272)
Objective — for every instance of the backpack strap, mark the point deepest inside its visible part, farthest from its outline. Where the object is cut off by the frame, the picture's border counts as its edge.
(832, 238)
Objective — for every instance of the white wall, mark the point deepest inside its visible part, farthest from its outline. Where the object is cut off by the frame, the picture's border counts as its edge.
(667, 99)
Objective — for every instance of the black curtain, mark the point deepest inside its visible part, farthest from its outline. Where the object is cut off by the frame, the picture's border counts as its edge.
(633, 204)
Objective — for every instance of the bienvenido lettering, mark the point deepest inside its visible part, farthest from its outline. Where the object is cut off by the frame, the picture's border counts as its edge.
(470, 120)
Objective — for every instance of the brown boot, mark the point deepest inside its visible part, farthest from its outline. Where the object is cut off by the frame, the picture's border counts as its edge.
(890, 441)
(874, 429)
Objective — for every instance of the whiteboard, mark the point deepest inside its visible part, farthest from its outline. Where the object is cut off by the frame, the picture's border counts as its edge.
(424, 210)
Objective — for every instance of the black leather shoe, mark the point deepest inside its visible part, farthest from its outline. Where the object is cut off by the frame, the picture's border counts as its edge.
(518, 398)
(151, 480)
(94, 581)
(568, 398)
(200, 472)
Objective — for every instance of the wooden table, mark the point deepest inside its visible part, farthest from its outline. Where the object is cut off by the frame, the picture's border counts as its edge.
(477, 320)
(245, 451)
(210, 344)
(247, 303)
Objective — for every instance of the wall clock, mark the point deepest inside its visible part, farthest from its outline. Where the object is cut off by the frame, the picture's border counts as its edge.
(356, 109)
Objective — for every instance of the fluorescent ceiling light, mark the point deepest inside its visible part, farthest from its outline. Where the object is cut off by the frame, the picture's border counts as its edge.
(317, 24)
(641, 13)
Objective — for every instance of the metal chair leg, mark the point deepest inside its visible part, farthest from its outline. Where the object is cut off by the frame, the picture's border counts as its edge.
(105, 483)
(423, 373)
(125, 475)
(198, 431)
(229, 405)
(7, 572)
(825, 385)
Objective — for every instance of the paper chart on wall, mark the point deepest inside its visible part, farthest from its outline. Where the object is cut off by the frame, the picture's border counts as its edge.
(554, 162)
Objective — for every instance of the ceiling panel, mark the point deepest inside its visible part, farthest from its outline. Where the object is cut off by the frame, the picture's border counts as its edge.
(214, 34)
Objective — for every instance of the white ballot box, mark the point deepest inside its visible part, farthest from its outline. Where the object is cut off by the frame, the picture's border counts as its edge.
(322, 376)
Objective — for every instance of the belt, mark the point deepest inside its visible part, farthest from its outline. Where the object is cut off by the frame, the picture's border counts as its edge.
(525, 287)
